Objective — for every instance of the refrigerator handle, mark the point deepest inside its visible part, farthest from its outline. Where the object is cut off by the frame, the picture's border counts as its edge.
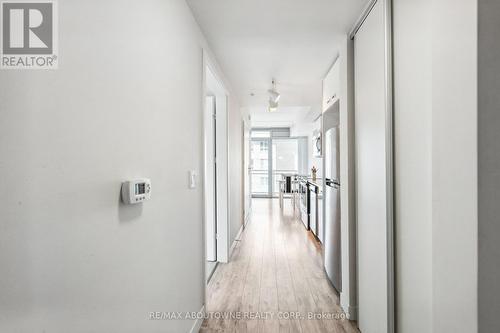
(331, 183)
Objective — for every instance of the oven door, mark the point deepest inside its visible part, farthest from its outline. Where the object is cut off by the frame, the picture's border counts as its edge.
(304, 215)
(313, 212)
(303, 196)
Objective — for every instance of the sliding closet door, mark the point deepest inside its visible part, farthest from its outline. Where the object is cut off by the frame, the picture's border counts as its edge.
(373, 145)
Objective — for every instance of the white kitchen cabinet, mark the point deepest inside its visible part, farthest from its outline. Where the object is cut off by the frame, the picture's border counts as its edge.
(331, 85)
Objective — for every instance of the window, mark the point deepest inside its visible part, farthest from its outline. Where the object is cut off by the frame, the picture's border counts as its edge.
(261, 134)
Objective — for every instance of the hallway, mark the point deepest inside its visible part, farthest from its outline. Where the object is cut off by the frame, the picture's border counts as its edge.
(275, 269)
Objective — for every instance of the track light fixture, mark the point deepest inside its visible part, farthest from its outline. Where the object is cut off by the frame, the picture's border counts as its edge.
(272, 106)
(274, 98)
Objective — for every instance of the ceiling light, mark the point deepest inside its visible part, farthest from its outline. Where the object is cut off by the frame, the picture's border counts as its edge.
(274, 97)
(273, 107)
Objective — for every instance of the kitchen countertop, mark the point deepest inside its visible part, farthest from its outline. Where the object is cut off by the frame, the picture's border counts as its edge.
(318, 182)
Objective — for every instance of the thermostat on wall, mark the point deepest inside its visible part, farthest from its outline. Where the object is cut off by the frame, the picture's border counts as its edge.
(136, 191)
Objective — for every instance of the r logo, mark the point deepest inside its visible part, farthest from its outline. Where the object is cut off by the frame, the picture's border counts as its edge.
(27, 28)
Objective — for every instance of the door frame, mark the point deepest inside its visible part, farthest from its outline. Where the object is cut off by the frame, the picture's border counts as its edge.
(389, 158)
(246, 170)
(210, 177)
(222, 185)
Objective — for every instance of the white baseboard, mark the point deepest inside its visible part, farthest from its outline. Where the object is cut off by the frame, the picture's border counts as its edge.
(238, 236)
(236, 240)
(350, 311)
(198, 322)
(247, 217)
(212, 272)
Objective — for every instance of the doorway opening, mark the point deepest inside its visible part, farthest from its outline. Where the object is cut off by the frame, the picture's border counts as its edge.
(215, 180)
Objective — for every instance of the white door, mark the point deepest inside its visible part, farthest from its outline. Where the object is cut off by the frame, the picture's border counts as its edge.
(247, 193)
(216, 150)
(210, 180)
(373, 144)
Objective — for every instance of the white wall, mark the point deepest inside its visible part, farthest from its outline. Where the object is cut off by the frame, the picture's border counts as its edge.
(454, 166)
(125, 102)
(436, 164)
(413, 161)
(489, 165)
(348, 296)
(247, 193)
(305, 128)
(235, 135)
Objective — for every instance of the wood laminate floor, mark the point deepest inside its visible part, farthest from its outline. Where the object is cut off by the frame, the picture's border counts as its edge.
(275, 272)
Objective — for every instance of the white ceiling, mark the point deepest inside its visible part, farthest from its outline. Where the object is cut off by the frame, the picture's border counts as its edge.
(286, 116)
(294, 41)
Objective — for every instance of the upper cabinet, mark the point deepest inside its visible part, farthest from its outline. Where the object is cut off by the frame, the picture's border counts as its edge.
(331, 86)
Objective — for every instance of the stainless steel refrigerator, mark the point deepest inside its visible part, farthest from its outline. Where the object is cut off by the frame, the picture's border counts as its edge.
(332, 208)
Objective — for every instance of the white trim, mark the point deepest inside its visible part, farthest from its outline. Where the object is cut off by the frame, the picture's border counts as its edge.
(207, 61)
(389, 145)
(202, 184)
(390, 166)
(236, 240)
(364, 14)
(350, 311)
(198, 322)
(240, 232)
(247, 217)
(209, 180)
(212, 272)
(224, 231)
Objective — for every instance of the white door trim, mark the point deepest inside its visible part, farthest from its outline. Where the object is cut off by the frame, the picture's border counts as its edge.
(389, 151)
(223, 231)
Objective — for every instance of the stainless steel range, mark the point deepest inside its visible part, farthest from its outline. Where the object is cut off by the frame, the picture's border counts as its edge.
(304, 202)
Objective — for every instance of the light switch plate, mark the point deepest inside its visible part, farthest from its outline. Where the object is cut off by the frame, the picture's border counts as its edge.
(192, 179)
